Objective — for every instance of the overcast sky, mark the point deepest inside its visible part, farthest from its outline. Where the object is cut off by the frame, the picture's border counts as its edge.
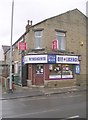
(35, 10)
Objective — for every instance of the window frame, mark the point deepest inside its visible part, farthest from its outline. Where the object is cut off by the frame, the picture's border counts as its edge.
(61, 34)
(38, 39)
(61, 75)
(39, 69)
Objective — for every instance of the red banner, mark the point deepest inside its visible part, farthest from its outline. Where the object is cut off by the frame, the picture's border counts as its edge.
(55, 44)
(22, 46)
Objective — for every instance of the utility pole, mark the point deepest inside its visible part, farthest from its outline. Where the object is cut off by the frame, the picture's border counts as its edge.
(10, 82)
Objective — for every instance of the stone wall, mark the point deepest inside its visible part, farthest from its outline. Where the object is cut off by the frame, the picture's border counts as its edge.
(59, 83)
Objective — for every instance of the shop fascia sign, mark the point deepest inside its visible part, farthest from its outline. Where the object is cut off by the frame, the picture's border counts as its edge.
(67, 59)
(52, 58)
(35, 59)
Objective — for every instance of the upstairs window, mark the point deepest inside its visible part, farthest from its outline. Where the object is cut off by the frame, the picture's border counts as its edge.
(38, 39)
(60, 36)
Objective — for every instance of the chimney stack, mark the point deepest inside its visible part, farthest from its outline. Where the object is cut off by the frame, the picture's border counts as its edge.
(28, 25)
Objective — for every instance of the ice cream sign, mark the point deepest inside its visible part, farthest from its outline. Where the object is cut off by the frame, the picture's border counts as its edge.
(67, 59)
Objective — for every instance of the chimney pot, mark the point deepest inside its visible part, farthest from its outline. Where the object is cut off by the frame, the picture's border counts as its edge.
(28, 22)
(28, 25)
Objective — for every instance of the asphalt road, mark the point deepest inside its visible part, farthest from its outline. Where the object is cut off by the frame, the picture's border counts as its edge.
(69, 105)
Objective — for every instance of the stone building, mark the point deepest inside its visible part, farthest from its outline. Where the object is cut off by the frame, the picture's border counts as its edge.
(4, 67)
(56, 51)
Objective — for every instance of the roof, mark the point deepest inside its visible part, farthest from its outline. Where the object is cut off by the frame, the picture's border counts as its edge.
(5, 48)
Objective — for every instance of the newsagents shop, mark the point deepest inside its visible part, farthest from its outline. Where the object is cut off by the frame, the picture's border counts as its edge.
(46, 68)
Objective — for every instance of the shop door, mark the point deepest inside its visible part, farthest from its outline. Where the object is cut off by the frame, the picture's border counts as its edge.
(38, 74)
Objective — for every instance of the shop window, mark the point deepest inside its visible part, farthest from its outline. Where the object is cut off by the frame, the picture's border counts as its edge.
(39, 69)
(38, 39)
(55, 71)
(61, 40)
(67, 71)
(19, 69)
(60, 71)
(16, 67)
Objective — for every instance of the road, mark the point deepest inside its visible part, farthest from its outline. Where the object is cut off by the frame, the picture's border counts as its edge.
(69, 105)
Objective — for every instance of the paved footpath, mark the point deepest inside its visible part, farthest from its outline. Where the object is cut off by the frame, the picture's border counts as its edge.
(22, 92)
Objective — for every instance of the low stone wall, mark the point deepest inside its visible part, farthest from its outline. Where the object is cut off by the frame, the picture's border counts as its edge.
(59, 83)
(80, 81)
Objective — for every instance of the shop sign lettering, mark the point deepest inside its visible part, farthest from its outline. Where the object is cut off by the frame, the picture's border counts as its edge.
(67, 59)
(35, 59)
(51, 58)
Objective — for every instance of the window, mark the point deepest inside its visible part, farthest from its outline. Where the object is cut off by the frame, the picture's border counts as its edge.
(39, 69)
(60, 71)
(38, 39)
(67, 71)
(60, 36)
(55, 71)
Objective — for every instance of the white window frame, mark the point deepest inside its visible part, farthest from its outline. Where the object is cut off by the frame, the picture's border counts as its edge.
(38, 39)
(61, 44)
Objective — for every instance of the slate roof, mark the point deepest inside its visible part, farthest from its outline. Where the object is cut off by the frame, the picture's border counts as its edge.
(5, 48)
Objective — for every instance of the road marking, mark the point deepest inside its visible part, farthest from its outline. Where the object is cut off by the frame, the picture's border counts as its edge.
(77, 116)
(72, 117)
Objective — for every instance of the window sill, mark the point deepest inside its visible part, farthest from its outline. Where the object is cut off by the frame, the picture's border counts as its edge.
(38, 49)
(64, 52)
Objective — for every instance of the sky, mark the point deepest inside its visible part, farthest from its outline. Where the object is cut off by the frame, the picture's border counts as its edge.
(35, 10)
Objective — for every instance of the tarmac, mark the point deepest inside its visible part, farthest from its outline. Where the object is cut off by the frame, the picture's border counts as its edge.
(23, 92)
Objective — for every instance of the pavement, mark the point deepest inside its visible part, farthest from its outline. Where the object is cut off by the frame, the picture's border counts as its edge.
(23, 92)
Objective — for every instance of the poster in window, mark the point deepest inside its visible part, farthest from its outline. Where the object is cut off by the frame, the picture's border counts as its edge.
(77, 69)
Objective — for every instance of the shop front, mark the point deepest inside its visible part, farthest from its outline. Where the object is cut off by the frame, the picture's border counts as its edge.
(38, 74)
(36, 69)
(43, 69)
(63, 68)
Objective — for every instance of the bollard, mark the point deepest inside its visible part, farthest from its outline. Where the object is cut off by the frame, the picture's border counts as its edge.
(12, 82)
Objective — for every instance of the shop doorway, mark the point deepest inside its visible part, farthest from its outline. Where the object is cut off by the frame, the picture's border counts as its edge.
(38, 74)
